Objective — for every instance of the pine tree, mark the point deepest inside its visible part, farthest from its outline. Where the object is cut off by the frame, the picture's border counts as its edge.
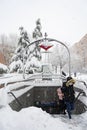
(37, 31)
(34, 52)
(20, 56)
(27, 58)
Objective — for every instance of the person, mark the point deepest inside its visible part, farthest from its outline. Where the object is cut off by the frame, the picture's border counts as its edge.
(69, 95)
(61, 101)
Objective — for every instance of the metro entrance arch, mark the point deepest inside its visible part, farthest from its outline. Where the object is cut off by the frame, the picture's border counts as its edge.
(58, 42)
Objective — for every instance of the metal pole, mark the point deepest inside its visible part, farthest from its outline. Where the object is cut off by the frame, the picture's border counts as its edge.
(23, 66)
(23, 69)
(68, 53)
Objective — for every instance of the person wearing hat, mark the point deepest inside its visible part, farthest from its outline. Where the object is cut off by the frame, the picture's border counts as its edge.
(69, 94)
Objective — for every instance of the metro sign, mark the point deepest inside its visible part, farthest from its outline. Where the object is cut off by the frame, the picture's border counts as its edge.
(45, 46)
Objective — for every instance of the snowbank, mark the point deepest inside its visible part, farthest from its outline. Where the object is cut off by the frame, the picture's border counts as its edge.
(35, 119)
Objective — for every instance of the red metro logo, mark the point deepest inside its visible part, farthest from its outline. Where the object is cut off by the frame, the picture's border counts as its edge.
(45, 46)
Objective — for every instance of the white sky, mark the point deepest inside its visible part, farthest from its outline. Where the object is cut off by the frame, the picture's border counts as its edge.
(64, 20)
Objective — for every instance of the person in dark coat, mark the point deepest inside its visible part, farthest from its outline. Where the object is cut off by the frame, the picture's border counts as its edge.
(69, 94)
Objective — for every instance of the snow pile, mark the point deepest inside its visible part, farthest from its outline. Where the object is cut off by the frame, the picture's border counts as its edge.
(3, 97)
(35, 119)
(14, 77)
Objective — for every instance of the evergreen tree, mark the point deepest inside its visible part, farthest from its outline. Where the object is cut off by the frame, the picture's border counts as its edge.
(34, 52)
(37, 31)
(27, 58)
(19, 58)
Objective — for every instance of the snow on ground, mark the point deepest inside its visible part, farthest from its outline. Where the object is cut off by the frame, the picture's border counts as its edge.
(33, 118)
(10, 78)
(80, 79)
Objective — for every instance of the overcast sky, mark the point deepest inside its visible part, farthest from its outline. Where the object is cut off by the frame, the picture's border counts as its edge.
(64, 20)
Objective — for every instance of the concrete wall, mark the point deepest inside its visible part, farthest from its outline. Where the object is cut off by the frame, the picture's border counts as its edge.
(25, 100)
(43, 95)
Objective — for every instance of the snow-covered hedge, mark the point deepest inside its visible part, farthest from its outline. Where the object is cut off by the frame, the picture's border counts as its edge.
(3, 69)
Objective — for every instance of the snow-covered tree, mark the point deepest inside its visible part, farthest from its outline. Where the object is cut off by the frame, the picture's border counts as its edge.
(7, 47)
(37, 31)
(58, 56)
(27, 58)
(34, 51)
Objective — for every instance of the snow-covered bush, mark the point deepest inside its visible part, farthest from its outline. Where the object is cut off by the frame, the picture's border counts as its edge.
(32, 65)
(15, 66)
(3, 69)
